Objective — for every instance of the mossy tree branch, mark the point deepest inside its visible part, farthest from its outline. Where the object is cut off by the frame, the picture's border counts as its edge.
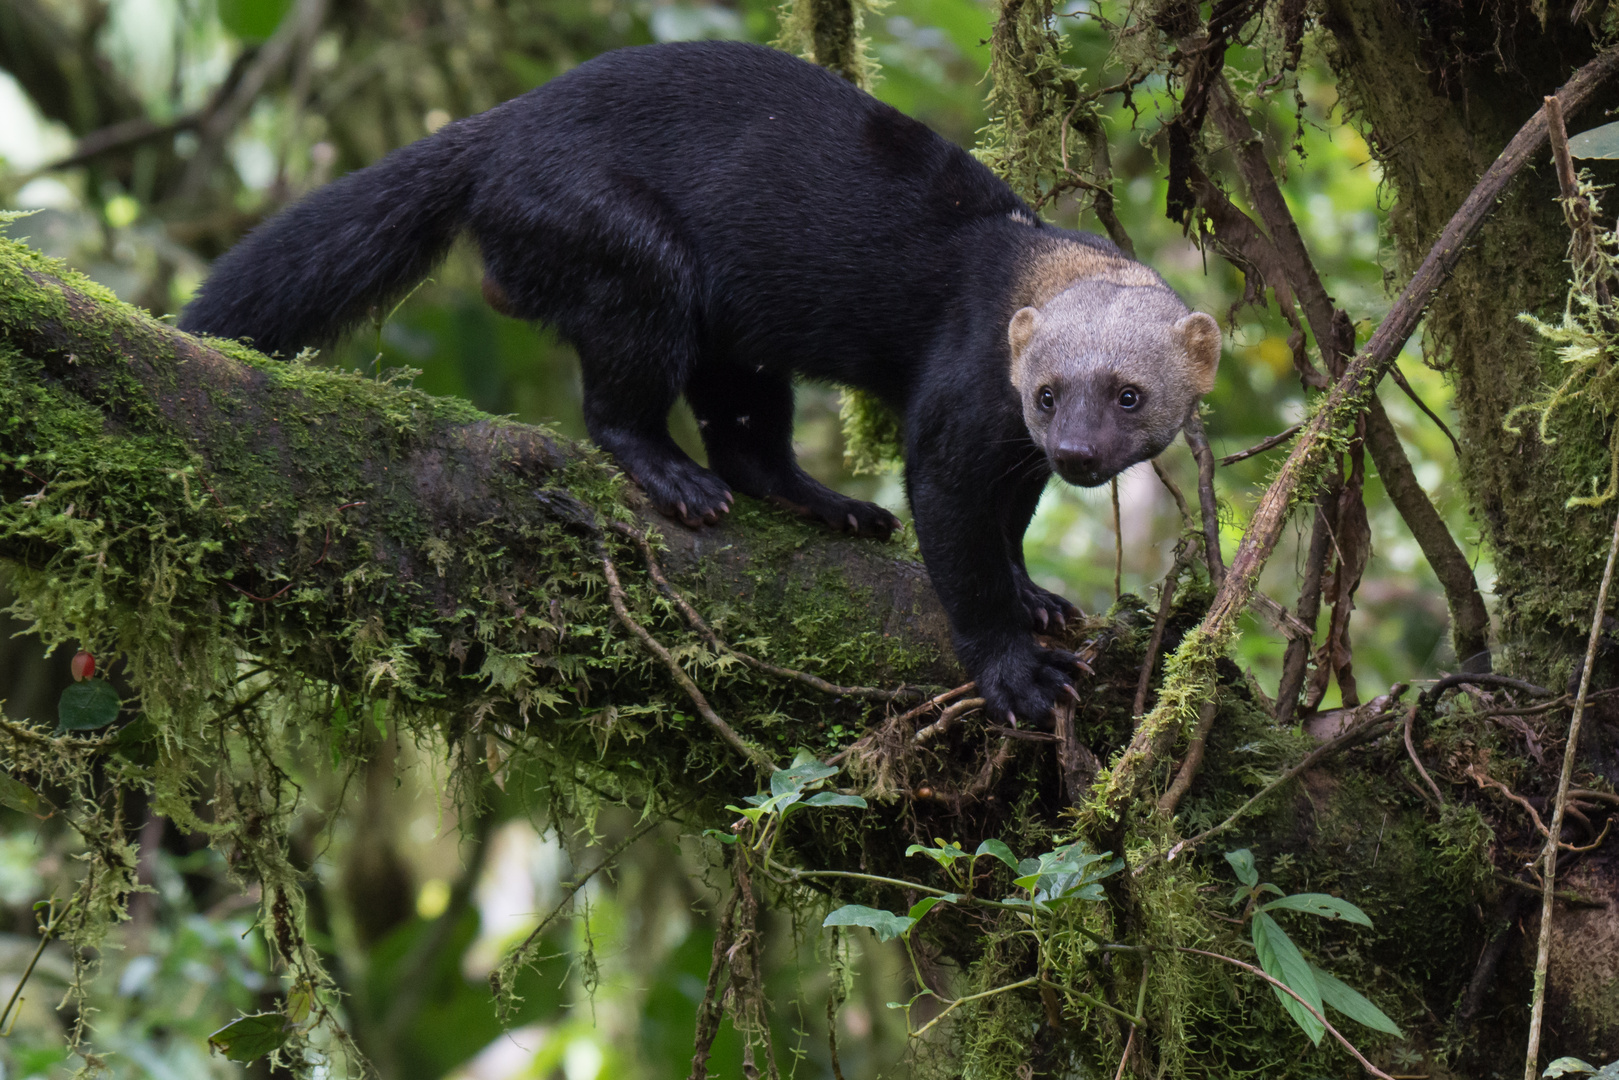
(374, 537)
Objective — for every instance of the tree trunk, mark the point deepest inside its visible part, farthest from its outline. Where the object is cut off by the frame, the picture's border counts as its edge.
(1439, 89)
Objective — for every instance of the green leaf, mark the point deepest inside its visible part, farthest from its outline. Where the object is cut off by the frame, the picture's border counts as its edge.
(721, 835)
(885, 924)
(1328, 907)
(927, 903)
(1598, 142)
(87, 705)
(1282, 961)
(1243, 863)
(1338, 994)
(752, 813)
(943, 854)
(299, 1003)
(248, 1038)
(999, 850)
(18, 795)
(1570, 1066)
(797, 777)
(252, 20)
(832, 798)
(1068, 873)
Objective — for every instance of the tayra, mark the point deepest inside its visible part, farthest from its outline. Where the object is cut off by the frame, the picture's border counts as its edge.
(712, 219)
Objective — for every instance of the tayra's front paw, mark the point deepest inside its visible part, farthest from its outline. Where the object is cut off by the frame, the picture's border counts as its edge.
(1047, 610)
(1022, 684)
(684, 491)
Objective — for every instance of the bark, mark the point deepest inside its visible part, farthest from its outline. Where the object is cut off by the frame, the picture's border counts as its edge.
(1440, 89)
(1439, 101)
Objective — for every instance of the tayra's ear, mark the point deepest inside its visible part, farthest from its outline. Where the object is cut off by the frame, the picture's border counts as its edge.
(1022, 329)
(1200, 336)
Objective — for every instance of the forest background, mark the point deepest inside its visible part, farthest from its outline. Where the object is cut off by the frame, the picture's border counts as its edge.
(145, 213)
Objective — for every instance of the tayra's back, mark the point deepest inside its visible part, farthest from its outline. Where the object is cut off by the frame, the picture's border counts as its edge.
(798, 196)
(821, 227)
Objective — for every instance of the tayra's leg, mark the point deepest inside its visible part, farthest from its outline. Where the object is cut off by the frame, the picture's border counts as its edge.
(633, 426)
(615, 279)
(746, 418)
(1045, 608)
(962, 482)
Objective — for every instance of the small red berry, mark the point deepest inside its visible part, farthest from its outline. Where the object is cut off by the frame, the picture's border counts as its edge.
(83, 666)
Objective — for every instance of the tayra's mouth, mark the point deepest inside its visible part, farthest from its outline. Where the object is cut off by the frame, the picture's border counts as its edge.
(1081, 477)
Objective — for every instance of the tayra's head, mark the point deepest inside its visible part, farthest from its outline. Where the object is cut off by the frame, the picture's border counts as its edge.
(1108, 373)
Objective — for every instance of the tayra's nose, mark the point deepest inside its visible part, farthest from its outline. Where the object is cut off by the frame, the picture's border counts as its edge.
(1075, 459)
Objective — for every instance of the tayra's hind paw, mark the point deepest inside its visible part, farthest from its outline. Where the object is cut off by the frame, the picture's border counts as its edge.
(684, 491)
(843, 514)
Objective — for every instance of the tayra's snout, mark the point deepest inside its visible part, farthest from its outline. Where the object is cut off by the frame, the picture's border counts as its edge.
(1078, 461)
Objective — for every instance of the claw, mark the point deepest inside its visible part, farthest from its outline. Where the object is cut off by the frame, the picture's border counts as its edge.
(1011, 718)
(684, 513)
(1045, 620)
(1062, 622)
(1071, 692)
(854, 525)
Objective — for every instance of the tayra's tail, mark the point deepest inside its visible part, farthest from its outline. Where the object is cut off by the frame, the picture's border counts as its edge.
(320, 266)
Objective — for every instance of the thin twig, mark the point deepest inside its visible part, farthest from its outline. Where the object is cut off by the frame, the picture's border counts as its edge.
(52, 919)
(1548, 857)
(615, 595)
(1575, 207)
(1410, 719)
(1198, 440)
(578, 883)
(1296, 659)
(1410, 392)
(947, 718)
(1289, 625)
(1290, 992)
(832, 1032)
(935, 702)
(1568, 896)
(655, 572)
(1482, 678)
(1260, 447)
(1118, 540)
(1484, 779)
(1192, 762)
(1166, 597)
(1356, 734)
(1174, 491)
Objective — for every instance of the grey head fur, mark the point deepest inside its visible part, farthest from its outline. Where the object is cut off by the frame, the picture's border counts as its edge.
(1108, 371)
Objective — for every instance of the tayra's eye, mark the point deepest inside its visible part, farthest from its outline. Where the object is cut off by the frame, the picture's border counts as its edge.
(1129, 397)
(1048, 400)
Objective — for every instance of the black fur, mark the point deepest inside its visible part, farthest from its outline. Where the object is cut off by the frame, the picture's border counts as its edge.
(712, 219)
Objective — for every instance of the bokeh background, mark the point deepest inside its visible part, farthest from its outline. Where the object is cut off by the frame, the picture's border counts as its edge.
(145, 136)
